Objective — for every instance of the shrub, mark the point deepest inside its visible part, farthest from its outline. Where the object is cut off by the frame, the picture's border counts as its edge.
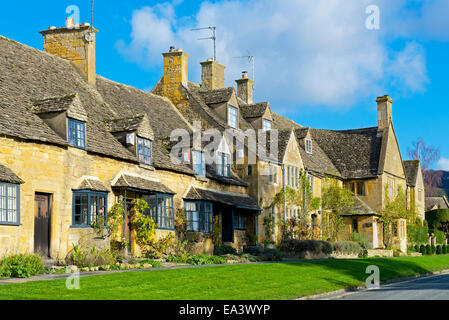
(417, 234)
(439, 249)
(253, 250)
(225, 249)
(416, 247)
(444, 248)
(440, 236)
(361, 239)
(201, 259)
(422, 249)
(271, 255)
(301, 247)
(428, 249)
(434, 249)
(347, 247)
(21, 266)
(89, 257)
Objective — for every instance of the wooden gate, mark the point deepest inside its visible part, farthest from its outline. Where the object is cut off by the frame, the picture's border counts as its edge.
(42, 224)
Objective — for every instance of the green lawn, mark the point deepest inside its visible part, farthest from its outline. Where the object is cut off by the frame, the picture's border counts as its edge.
(255, 281)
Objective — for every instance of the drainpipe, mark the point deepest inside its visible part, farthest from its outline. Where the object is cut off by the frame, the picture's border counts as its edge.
(285, 193)
(305, 190)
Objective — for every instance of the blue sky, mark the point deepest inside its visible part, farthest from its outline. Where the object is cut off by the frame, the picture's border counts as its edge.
(316, 61)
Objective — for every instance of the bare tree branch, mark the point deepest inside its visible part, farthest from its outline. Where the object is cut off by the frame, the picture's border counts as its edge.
(426, 154)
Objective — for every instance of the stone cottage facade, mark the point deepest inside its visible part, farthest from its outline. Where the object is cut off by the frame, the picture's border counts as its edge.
(73, 144)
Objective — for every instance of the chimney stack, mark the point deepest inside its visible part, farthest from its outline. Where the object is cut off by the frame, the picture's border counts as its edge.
(245, 88)
(175, 75)
(384, 111)
(73, 42)
(212, 75)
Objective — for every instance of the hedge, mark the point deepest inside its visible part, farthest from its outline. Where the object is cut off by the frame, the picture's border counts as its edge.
(301, 247)
(417, 234)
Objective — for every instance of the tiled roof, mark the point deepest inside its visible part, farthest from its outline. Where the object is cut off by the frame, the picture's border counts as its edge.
(28, 75)
(283, 123)
(129, 104)
(92, 184)
(355, 153)
(6, 175)
(436, 202)
(226, 198)
(318, 161)
(411, 171)
(139, 183)
(255, 110)
(217, 95)
(360, 208)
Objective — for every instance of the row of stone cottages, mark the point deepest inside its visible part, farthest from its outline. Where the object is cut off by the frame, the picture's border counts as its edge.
(73, 144)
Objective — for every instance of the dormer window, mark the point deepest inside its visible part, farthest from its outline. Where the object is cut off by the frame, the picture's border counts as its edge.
(199, 164)
(309, 146)
(233, 117)
(76, 133)
(224, 164)
(267, 125)
(144, 150)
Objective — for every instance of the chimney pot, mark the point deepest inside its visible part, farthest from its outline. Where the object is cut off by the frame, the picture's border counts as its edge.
(245, 75)
(172, 49)
(69, 23)
(52, 28)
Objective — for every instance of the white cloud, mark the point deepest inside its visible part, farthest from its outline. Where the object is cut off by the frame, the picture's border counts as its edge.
(307, 52)
(443, 164)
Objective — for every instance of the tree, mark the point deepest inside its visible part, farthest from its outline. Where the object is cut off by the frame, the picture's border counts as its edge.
(303, 199)
(336, 201)
(426, 154)
(395, 209)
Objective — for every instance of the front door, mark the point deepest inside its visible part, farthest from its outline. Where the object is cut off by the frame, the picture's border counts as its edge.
(227, 231)
(42, 224)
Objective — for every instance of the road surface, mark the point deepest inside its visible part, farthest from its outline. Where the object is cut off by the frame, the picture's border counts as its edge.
(427, 288)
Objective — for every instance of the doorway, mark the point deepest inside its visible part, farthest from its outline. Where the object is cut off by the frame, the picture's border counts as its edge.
(227, 232)
(42, 223)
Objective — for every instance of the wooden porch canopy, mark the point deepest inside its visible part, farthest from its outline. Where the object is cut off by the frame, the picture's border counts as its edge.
(360, 208)
(239, 201)
(141, 184)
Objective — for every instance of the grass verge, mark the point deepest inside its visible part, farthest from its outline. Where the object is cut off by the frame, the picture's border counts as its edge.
(253, 281)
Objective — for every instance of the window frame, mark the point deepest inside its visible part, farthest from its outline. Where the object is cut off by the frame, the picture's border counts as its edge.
(239, 221)
(202, 171)
(233, 116)
(158, 206)
(272, 174)
(6, 199)
(222, 164)
(264, 125)
(140, 146)
(205, 218)
(309, 146)
(74, 140)
(90, 194)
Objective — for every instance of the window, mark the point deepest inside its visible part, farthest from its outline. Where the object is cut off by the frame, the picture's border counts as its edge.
(199, 164)
(239, 222)
(250, 170)
(360, 188)
(312, 183)
(160, 210)
(292, 177)
(267, 125)
(77, 133)
(89, 207)
(272, 174)
(9, 203)
(309, 146)
(355, 225)
(144, 150)
(199, 216)
(233, 117)
(224, 164)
